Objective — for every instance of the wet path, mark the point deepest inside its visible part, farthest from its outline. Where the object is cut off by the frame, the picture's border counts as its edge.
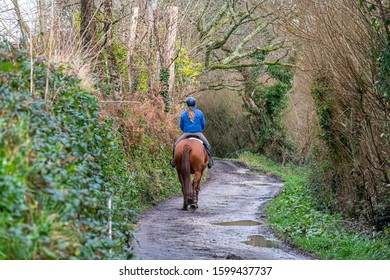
(229, 223)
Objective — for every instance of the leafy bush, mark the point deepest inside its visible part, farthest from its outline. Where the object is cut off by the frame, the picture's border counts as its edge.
(60, 166)
(296, 216)
(383, 65)
(271, 135)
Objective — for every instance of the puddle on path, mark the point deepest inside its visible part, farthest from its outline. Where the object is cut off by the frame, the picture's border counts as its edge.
(245, 223)
(260, 241)
(243, 170)
(256, 183)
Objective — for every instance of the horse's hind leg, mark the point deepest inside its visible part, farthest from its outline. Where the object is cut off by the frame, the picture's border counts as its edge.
(196, 186)
(185, 199)
(185, 202)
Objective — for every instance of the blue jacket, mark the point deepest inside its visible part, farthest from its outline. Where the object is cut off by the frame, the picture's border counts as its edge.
(197, 126)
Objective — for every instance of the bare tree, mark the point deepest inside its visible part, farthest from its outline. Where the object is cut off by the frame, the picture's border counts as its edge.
(24, 28)
(88, 29)
(154, 54)
(131, 46)
(42, 17)
(233, 32)
(339, 44)
(171, 45)
(108, 46)
(236, 36)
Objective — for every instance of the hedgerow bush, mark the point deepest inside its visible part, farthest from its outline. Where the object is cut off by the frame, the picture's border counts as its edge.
(60, 165)
(297, 216)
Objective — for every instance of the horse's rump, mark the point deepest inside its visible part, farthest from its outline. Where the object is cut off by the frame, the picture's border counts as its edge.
(198, 155)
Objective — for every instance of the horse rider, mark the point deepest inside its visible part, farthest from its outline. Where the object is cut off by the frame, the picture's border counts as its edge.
(192, 123)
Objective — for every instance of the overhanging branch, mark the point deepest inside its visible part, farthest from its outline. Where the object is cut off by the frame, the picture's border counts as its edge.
(221, 66)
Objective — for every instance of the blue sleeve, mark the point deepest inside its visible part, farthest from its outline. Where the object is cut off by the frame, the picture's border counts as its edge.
(202, 121)
(182, 122)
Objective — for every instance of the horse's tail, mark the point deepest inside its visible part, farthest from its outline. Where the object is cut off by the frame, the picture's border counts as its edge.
(186, 170)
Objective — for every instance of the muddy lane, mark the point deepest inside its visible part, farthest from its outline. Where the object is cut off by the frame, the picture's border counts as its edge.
(229, 223)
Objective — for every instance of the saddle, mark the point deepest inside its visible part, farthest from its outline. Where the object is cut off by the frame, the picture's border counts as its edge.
(207, 149)
(194, 137)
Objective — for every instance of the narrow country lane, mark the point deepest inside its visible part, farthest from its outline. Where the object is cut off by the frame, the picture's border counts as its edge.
(229, 223)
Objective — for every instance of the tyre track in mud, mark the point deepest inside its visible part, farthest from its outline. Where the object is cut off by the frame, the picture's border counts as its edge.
(229, 223)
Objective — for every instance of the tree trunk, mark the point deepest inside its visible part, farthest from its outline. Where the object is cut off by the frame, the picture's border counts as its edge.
(130, 58)
(113, 68)
(171, 46)
(24, 29)
(152, 43)
(42, 18)
(88, 30)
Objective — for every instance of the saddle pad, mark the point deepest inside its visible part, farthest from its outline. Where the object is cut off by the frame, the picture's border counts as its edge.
(193, 138)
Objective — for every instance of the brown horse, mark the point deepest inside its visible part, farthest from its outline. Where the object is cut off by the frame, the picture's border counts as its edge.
(190, 158)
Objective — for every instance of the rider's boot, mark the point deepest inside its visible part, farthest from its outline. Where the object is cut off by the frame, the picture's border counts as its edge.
(209, 152)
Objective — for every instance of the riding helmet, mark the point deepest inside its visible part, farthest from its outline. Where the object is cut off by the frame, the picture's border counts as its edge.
(190, 101)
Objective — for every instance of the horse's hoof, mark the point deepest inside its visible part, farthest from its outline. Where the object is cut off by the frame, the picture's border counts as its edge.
(193, 207)
(184, 208)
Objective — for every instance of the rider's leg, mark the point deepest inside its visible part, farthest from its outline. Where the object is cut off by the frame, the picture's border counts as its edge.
(208, 149)
(209, 152)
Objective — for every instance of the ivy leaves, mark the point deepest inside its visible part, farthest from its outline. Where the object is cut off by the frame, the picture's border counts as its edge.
(52, 184)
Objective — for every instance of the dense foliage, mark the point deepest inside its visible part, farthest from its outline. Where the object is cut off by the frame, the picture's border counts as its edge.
(350, 170)
(297, 216)
(60, 166)
(346, 59)
(266, 123)
(61, 161)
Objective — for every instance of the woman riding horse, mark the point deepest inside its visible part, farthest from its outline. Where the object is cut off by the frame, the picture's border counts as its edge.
(192, 123)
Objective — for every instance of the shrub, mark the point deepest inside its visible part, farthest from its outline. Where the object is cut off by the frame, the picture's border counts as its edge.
(60, 165)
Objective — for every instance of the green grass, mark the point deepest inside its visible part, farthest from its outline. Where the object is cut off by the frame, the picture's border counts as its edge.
(293, 215)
